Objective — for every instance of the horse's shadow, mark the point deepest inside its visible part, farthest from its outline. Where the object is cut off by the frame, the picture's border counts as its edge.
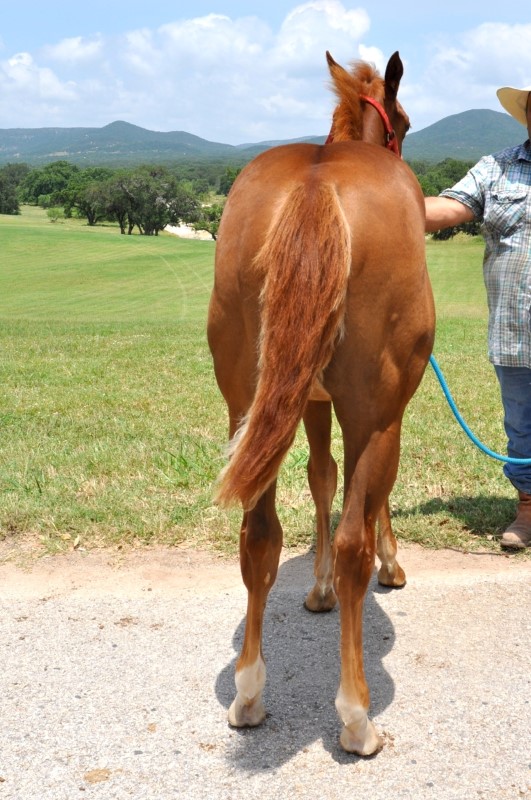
(302, 657)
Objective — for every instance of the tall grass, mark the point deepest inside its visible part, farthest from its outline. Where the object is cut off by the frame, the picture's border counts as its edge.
(112, 428)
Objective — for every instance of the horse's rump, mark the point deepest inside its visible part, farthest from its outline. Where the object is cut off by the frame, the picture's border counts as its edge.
(304, 263)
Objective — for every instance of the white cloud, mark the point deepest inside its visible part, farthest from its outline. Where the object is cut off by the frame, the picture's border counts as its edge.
(241, 75)
(465, 73)
(374, 56)
(140, 53)
(74, 49)
(22, 76)
(311, 29)
(239, 80)
(501, 54)
(203, 41)
(222, 78)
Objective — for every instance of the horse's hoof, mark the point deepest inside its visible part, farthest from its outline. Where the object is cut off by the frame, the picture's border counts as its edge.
(395, 577)
(368, 744)
(249, 715)
(318, 602)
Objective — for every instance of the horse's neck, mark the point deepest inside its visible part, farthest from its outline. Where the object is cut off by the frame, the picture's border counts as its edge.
(373, 130)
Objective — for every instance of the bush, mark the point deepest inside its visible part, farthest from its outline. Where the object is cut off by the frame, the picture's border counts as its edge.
(55, 213)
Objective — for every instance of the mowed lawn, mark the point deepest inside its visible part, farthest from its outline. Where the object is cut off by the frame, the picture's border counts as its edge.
(112, 428)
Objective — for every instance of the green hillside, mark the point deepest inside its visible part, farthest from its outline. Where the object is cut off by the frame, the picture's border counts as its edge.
(466, 137)
(117, 143)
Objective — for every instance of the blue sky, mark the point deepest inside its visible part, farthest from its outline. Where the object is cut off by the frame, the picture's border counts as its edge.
(235, 72)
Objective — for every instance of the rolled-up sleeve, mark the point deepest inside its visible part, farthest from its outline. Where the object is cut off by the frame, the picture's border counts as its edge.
(471, 189)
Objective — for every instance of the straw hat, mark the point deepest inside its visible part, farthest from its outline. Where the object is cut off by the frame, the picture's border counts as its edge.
(515, 102)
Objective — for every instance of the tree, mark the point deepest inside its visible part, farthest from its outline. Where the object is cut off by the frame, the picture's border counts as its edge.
(184, 203)
(44, 182)
(15, 173)
(147, 206)
(149, 198)
(10, 178)
(117, 201)
(433, 178)
(200, 186)
(228, 178)
(207, 219)
(8, 196)
(84, 194)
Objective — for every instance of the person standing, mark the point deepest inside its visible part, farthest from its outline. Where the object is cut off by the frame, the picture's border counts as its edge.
(497, 191)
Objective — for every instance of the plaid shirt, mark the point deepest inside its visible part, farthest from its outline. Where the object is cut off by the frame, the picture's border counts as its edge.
(497, 190)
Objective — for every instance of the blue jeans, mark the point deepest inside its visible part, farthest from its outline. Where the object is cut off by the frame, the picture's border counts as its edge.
(515, 385)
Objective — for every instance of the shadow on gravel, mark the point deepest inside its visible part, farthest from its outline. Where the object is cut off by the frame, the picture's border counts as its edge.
(302, 658)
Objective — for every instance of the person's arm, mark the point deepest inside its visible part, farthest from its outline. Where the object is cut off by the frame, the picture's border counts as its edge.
(445, 212)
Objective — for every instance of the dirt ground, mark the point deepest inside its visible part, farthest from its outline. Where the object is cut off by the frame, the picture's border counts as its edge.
(118, 668)
(174, 570)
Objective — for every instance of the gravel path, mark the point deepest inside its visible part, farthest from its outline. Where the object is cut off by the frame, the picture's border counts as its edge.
(117, 672)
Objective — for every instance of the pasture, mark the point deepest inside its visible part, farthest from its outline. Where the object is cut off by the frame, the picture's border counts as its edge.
(112, 428)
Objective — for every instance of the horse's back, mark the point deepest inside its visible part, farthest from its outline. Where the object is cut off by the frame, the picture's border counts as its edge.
(381, 203)
(374, 188)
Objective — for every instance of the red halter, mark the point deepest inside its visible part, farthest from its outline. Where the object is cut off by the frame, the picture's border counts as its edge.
(391, 142)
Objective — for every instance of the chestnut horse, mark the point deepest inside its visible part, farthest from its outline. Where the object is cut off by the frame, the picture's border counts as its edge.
(322, 298)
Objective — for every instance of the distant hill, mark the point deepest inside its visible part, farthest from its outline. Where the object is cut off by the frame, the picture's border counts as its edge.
(115, 144)
(466, 136)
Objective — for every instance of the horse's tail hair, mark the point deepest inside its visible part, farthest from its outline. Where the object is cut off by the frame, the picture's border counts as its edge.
(305, 260)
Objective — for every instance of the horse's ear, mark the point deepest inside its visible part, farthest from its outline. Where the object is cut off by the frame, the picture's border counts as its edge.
(393, 75)
(331, 62)
(335, 69)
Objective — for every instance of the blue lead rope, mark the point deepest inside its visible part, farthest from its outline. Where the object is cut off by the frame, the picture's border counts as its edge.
(463, 424)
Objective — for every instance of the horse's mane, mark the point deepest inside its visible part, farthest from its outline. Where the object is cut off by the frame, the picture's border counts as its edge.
(363, 79)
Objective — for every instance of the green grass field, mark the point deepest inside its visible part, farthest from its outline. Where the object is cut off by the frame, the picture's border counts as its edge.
(112, 428)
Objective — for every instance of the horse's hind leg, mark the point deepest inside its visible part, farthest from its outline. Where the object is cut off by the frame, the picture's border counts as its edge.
(390, 572)
(354, 549)
(260, 546)
(370, 470)
(322, 478)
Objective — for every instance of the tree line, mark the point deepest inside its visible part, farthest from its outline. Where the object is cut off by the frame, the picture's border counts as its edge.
(146, 198)
(150, 197)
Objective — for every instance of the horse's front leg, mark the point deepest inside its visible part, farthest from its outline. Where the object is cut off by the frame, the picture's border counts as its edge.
(260, 546)
(322, 478)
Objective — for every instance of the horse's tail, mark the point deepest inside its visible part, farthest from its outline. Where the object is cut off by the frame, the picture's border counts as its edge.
(306, 260)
